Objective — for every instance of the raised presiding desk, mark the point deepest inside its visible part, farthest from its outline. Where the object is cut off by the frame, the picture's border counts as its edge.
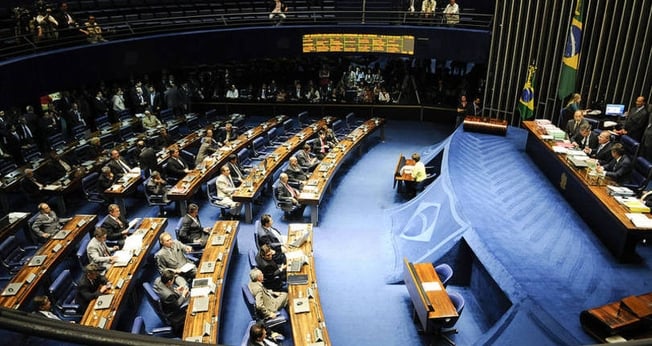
(598, 208)
(627, 319)
(315, 189)
(306, 315)
(431, 303)
(24, 283)
(255, 181)
(191, 183)
(120, 276)
(203, 325)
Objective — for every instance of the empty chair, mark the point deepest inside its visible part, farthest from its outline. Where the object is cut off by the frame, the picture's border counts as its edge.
(630, 144)
(259, 146)
(214, 200)
(289, 127)
(192, 122)
(7, 166)
(445, 273)
(250, 301)
(81, 254)
(302, 118)
(62, 293)
(166, 115)
(640, 175)
(78, 131)
(124, 115)
(351, 122)
(56, 141)
(91, 189)
(139, 327)
(339, 127)
(447, 326)
(126, 132)
(102, 122)
(155, 301)
(13, 256)
(211, 115)
(252, 258)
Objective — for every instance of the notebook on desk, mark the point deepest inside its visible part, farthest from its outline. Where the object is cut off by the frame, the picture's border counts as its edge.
(218, 240)
(200, 304)
(298, 279)
(103, 302)
(37, 260)
(62, 234)
(12, 289)
(301, 305)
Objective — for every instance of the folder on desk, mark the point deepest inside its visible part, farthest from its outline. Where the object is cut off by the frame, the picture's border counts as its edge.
(301, 305)
(62, 234)
(218, 240)
(12, 289)
(37, 261)
(103, 302)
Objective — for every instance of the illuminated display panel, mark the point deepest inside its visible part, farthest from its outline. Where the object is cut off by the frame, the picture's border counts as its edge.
(358, 43)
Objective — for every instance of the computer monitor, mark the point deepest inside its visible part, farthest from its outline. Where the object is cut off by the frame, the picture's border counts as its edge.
(614, 110)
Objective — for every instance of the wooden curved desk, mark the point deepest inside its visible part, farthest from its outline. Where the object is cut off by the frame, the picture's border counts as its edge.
(198, 325)
(191, 183)
(308, 328)
(106, 318)
(255, 181)
(55, 250)
(315, 190)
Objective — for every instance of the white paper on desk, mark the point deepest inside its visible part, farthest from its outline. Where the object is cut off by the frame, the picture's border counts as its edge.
(187, 267)
(200, 291)
(133, 244)
(15, 216)
(640, 220)
(609, 123)
(293, 227)
(559, 149)
(51, 187)
(310, 188)
(296, 254)
(431, 286)
(122, 258)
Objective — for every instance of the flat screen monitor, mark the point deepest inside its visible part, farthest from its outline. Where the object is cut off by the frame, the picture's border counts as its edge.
(613, 109)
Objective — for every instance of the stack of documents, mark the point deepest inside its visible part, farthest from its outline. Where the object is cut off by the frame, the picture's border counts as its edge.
(633, 204)
(619, 191)
(640, 220)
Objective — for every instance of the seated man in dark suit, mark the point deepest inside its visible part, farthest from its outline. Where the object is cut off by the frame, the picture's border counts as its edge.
(91, 285)
(191, 230)
(177, 168)
(273, 272)
(320, 146)
(620, 166)
(305, 159)
(226, 134)
(573, 125)
(585, 138)
(603, 151)
(116, 226)
(46, 224)
(288, 198)
(118, 166)
(58, 168)
(174, 299)
(296, 175)
(268, 235)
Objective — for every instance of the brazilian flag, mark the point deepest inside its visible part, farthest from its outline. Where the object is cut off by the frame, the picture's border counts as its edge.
(571, 58)
(526, 102)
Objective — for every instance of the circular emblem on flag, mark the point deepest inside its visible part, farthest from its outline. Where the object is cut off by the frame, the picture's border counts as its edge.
(574, 42)
(527, 94)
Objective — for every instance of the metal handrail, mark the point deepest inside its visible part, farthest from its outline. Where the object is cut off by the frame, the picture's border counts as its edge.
(25, 44)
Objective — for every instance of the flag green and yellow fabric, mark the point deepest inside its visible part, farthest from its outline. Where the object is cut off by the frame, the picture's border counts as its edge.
(526, 102)
(571, 58)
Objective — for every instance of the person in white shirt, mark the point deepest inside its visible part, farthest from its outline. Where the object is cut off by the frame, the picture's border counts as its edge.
(452, 13)
(225, 188)
(428, 7)
(232, 93)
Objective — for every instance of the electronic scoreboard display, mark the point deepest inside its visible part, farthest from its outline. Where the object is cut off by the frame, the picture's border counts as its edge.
(358, 43)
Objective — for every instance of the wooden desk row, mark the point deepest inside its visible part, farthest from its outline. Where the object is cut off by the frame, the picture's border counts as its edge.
(431, 303)
(605, 216)
(54, 250)
(255, 181)
(626, 319)
(204, 326)
(122, 277)
(185, 188)
(308, 328)
(315, 190)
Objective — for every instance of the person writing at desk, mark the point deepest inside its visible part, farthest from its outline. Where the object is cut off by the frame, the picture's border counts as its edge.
(91, 285)
(174, 299)
(585, 138)
(97, 251)
(620, 166)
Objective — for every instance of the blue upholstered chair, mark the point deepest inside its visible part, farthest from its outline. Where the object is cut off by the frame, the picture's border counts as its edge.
(13, 256)
(640, 175)
(445, 273)
(214, 200)
(252, 258)
(139, 327)
(62, 293)
(447, 326)
(630, 144)
(272, 323)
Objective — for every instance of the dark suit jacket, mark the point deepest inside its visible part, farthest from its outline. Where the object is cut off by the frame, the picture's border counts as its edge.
(636, 123)
(296, 174)
(573, 130)
(103, 182)
(87, 290)
(175, 169)
(604, 155)
(147, 159)
(593, 140)
(191, 230)
(173, 305)
(116, 168)
(620, 170)
(221, 137)
(113, 229)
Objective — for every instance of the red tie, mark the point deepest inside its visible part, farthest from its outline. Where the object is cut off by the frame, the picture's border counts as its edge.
(292, 192)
